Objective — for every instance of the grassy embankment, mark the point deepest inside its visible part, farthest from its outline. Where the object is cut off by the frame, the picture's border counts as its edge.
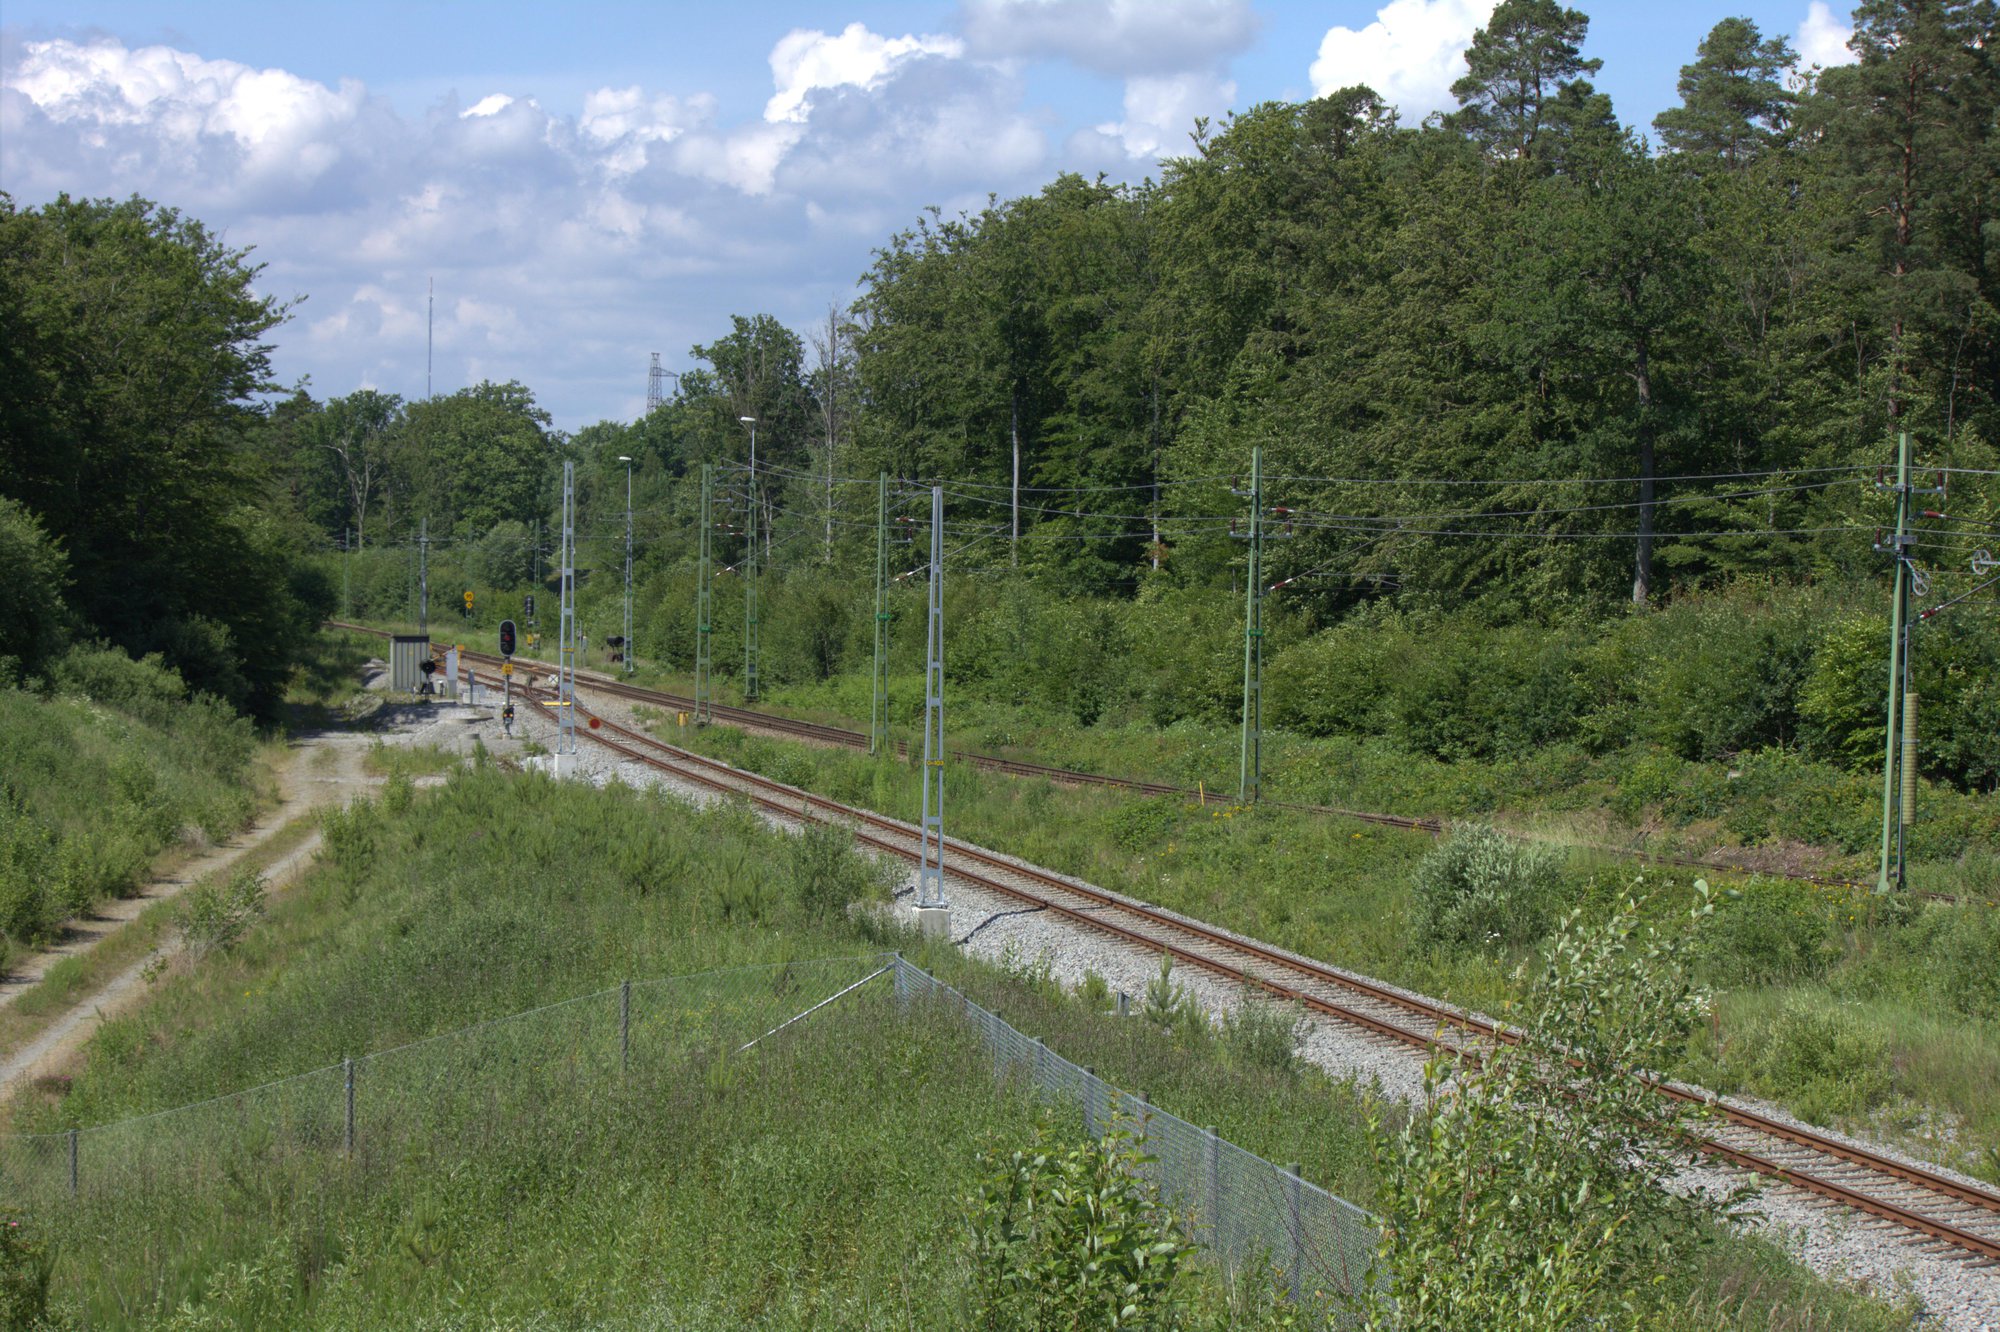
(1841, 1006)
(99, 777)
(322, 696)
(816, 1181)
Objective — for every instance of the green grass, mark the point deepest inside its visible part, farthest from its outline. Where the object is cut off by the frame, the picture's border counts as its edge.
(75, 978)
(513, 1178)
(99, 779)
(385, 760)
(1341, 890)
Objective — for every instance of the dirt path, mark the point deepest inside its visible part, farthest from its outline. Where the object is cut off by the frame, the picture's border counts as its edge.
(323, 768)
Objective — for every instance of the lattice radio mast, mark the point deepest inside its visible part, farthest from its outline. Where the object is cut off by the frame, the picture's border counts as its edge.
(656, 386)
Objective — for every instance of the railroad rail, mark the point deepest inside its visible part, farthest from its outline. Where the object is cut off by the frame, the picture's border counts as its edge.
(841, 737)
(1957, 1218)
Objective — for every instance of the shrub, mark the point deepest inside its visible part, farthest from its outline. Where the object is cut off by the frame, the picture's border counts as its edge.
(1522, 1197)
(1840, 702)
(1821, 1054)
(26, 1264)
(1963, 942)
(503, 558)
(1262, 1035)
(34, 623)
(1770, 931)
(1172, 1006)
(825, 872)
(1075, 1238)
(1479, 887)
(213, 917)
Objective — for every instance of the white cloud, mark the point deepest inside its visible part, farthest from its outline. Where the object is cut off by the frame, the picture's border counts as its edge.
(159, 107)
(490, 105)
(565, 244)
(805, 61)
(1122, 38)
(1822, 38)
(1411, 54)
(1160, 111)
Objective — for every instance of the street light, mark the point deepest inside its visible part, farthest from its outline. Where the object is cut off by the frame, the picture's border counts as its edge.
(625, 649)
(750, 570)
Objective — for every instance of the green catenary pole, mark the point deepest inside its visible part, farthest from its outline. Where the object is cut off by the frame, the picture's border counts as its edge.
(1886, 879)
(701, 598)
(1250, 770)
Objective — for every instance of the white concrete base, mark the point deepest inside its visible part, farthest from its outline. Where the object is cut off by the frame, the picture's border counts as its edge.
(933, 922)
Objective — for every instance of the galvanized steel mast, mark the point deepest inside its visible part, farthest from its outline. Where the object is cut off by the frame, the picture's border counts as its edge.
(930, 871)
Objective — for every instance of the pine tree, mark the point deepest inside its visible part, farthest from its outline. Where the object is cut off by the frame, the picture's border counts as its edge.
(1518, 68)
(1909, 129)
(1733, 106)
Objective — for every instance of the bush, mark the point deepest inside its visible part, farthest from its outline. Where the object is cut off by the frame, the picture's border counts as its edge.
(1075, 1238)
(1840, 703)
(92, 787)
(1172, 1006)
(1262, 1035)
(1479, 887)
(34, 622)
(212, 917)
(1770, 931)
(1946, 955)
(26, 1264)
(1823, 1058)
(1519, 1196)
(825, 871)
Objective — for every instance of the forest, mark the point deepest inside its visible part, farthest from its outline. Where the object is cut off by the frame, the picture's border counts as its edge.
(1572, 427)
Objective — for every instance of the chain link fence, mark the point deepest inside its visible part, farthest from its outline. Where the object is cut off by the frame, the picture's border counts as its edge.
(383, 1112)
(1249, 1214)
(533, 1077)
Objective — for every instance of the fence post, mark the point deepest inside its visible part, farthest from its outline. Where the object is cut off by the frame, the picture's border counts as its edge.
(624, 1026)
(1041, 1065)
(347, 1067)
(1292, 1192)
(1124, 1003)
(72, 1163)
(1089, 1102)
(1214, 1185)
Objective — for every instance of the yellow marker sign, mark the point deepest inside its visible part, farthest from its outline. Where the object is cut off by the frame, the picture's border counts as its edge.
(506, 668)
(468, 598)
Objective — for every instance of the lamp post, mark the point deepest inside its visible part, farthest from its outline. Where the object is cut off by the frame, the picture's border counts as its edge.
(626, 649)
(750, 570)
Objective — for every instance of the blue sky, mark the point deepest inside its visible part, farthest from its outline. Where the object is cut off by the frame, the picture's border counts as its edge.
(591, 182)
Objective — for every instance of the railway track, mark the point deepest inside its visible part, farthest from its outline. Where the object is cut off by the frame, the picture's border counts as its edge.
(1926, 1207)
(841, 737)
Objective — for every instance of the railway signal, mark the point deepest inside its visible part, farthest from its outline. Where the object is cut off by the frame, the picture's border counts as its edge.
(468, 606)
(506, 638)
(528, 609)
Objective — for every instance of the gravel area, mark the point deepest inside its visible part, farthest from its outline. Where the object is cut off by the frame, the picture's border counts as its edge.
(1951, 1293)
